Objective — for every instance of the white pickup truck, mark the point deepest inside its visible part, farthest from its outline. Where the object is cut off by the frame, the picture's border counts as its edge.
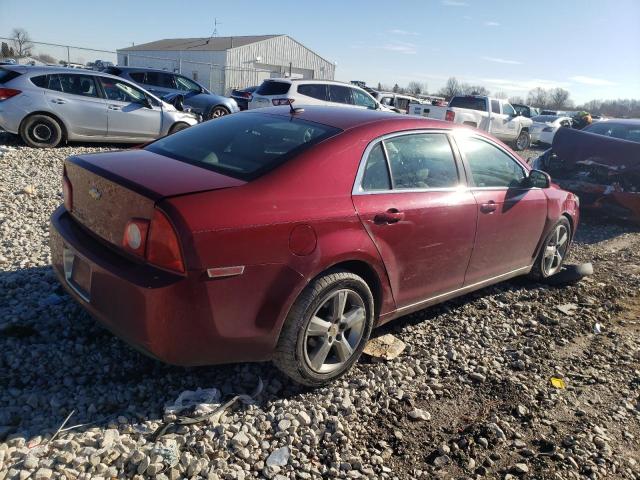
(492, 115)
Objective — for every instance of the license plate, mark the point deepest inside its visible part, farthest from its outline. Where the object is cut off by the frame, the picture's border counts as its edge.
(77, 273)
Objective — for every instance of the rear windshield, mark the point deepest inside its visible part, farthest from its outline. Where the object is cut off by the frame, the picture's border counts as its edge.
(273, 88)
(243, 146)
(7, 75)
(472, 103)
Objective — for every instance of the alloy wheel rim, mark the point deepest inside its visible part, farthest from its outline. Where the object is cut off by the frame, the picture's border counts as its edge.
(335, 331)
(42, 132)
(522, 141)
(217, 113)
(555, 250)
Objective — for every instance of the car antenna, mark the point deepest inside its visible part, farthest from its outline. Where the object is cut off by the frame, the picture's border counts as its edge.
(294, 110)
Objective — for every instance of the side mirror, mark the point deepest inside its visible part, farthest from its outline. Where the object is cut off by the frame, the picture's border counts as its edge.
(538, 179)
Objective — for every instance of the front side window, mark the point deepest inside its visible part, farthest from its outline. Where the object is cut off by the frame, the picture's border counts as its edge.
(363, 99)
(495, 106)
(340, 94)
(313, 90)
(507, 109)
(120, 91)
(137, 77)
(388, 101)
(78, 85)
(376, 173)
(422, 160)
(183, 83)
(243, 146)
(490, 166)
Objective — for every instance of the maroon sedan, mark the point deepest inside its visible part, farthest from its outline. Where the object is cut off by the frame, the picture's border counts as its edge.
(287, 235)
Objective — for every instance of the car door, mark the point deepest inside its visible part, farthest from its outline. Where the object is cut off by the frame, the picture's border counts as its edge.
(411, 198)
(511, 216)
(131, 114)
(75, 99)
(363, 99)
(511, 125)
(312, 94)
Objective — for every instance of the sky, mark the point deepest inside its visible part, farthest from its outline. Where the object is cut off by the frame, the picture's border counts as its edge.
(591, 48)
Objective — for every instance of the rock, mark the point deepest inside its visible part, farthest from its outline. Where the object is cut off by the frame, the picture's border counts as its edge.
(441, 461)
(240, 439)
(567, 308)
(279, 457)
(386, 347)
(419, 414)
(477, 377)
(110, 438)
(520, 468)
(43, 474)
(304, 418)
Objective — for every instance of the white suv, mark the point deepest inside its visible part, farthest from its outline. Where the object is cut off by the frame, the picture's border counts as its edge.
(282, 91)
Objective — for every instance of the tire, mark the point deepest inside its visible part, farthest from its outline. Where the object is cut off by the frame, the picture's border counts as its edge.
(176, 127)
(302, 343)
(542, 269)
(217, 112)
(41, 131)
(523, 141)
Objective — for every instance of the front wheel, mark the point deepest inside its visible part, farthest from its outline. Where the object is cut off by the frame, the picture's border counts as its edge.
(554, 251)
(217, 112)
(177, 127)
(523, 141)
(326, 329)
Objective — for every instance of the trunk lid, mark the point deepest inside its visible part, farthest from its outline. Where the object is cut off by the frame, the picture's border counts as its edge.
(109, 189)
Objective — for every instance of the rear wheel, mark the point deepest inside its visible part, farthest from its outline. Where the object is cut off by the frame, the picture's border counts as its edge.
(523, 141)
(177, 127)
(41, 131)
(326, 329)
(217, 112)
(554, 251)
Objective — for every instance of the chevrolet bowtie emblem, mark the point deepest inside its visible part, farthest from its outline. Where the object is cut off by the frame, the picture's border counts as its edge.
(95, 193)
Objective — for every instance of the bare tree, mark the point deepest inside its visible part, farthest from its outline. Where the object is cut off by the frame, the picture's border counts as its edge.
(22, 42)
(538, 97)
(559, 98)
(468, 89)
(414, 87)
(500, 94)
(451, 88)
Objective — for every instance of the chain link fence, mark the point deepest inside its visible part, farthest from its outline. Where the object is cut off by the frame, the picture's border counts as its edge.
(211, 75)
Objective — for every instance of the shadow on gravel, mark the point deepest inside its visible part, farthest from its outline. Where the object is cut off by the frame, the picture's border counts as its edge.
(54, 358)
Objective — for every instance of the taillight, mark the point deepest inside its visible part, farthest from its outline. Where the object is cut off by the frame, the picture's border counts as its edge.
(282, 101)
(163, 248)
(450, 116)
(67, 191)
(6, 93)
(135, 236)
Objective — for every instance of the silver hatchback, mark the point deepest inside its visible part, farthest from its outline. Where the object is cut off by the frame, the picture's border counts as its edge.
(47, 106)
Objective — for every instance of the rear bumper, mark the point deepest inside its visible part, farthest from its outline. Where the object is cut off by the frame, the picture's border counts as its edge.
(165, 315)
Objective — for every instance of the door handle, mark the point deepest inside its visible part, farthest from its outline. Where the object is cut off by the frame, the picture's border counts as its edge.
(59, 101)
(114, 107)
(393, 215)
(488, 207)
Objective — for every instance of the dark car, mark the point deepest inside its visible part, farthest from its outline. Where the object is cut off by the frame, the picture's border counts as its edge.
(243, 96)
(525, 110)
(601, 164)
(288, 234)
(162, 83)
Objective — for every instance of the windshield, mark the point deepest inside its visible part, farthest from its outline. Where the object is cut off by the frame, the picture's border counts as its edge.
(243, 146)
(629, 132)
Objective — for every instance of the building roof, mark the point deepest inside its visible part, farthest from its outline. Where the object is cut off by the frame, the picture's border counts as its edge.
(205, 43)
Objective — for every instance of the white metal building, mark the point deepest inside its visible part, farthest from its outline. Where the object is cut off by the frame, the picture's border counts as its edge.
(225, 63)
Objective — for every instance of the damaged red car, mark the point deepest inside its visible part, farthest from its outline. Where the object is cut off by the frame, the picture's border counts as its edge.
(600, 164)
(288, 234)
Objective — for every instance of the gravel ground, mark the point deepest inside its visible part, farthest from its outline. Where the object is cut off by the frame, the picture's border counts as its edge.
(469, 397)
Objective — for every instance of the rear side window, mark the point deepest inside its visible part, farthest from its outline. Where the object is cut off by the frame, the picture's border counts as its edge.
(340, 94)
(243, 146)
(313, 90)
(8, 75)
(472, 103)
(490, 166)
(273, 88)
(50, 82)
(421, 160)
(376, 173)
(40, 81)
(78, 85)
(137, 77)
(495, 106)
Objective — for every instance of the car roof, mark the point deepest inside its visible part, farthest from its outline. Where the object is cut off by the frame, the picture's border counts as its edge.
(311, 80)
(346, 118)
(620, 121)
(143, 69)
(28, 69)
